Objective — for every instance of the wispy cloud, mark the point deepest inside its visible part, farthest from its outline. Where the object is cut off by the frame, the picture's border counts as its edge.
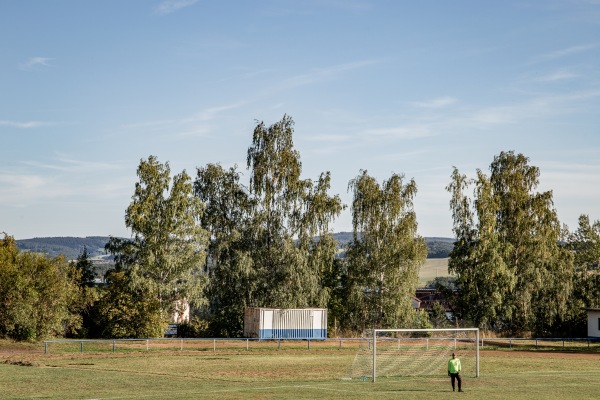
(34, 62)
(556, 76)
(435, 103)
(322, 74)
(170, 6)
(66, 164)
(212, 112)
(565, 52)
(23, 125)
(328, 138)
(401, 132)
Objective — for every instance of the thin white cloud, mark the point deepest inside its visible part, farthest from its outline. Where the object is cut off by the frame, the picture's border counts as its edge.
(566, 52)
(435, 103)
(34, 62)
(170, 6)
(200, 132)
(557, 76)
(23, 125)
(328, 138)
(322, 74)
(210, 113)
(401, 132)
(66, 164)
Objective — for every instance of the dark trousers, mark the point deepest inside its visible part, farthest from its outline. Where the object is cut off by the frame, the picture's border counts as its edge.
(456, 377)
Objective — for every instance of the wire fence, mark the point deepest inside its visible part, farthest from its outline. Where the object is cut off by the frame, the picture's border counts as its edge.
(253, 344)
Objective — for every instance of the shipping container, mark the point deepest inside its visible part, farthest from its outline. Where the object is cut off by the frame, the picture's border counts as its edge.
(293, 323)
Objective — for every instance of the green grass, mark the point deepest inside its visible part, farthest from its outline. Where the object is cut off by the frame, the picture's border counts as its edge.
(294, 373)
(433, 268)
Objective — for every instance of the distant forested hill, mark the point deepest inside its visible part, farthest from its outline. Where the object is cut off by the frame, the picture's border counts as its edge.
(72, 247)
(437, 247)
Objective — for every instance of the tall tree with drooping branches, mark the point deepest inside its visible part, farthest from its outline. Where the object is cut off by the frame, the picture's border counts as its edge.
(271, 241)
(513, 274)
(167, 252)
(386, 254)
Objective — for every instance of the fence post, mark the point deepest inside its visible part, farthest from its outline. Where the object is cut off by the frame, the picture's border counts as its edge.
(214, 345)
(247, 340)
(340, 344)
(146, 344)
(81, 346)
(46, 347)
(278, 344)
(114, 345)
(180, 344)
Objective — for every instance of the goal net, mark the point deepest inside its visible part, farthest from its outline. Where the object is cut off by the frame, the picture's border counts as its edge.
(415, 352)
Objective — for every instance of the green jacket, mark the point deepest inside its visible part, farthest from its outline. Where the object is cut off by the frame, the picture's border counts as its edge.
(454, 366)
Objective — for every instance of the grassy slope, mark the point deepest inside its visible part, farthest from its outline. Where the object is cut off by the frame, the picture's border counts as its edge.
(433, 267)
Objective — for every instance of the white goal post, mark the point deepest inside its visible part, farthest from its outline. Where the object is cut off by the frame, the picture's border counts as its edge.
(454, 330)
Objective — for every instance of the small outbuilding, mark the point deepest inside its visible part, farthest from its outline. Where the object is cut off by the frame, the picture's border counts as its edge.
(593, 322)
(276, 323)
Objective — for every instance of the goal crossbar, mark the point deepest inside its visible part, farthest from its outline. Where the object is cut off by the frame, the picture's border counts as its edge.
(375, 331)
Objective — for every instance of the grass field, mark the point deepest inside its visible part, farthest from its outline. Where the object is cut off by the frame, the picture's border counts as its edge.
(433, 268)
(290, 373)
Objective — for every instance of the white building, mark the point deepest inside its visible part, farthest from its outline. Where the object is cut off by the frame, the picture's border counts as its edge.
(593, 322)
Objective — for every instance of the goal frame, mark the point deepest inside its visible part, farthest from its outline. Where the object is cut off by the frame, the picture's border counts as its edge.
(375, 331)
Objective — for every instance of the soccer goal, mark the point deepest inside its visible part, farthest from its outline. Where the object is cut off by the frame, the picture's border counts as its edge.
(415, 352)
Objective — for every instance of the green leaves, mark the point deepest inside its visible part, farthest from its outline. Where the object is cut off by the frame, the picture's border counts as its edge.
(37, 294)
(271, 243)
(166, 255)
(513, 274)
(386, 255)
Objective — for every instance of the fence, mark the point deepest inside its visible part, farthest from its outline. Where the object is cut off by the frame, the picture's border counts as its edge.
(248, 344)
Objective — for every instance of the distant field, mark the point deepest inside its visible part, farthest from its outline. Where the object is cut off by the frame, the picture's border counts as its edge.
(281, 374)
(433, 268)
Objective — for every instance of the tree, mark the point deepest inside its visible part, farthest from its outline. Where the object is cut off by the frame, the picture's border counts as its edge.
(386, 254)
(584, 244)
(38, 295)
(86, 268)
(287, 208)
(232, 278)
(270, 243)
(126, 310)
(167, 252)
(512, 272)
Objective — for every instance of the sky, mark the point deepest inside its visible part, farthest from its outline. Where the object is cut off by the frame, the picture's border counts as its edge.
(90, 88)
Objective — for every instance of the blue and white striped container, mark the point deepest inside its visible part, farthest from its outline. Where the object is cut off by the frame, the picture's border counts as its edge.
(276, 323)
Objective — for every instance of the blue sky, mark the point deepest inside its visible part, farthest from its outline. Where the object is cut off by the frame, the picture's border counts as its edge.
(88, 88)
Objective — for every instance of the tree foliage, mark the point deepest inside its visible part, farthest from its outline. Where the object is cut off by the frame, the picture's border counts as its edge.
(512, 272)
(38, 295)
(167, 252)
(270, 242)
(584, 243)
(384, 259)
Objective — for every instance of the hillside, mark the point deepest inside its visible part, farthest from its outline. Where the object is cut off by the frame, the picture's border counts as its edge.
(72, 247)
(437, 247)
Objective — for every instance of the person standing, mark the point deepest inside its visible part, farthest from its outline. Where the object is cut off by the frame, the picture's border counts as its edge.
(454, 372)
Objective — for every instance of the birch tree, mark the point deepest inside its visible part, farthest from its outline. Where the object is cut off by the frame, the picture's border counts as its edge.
(386, 254)
(514, 275)
(167, 251)
(271, 243)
